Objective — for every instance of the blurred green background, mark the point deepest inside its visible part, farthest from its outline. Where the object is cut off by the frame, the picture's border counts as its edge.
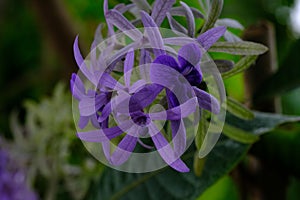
(36, 53)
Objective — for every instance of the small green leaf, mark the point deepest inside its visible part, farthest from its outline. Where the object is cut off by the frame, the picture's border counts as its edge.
(262, 122)
(240, 66)
(239, 48)
(239, 134)
(239, 109)
(224, 65)
(213, 15)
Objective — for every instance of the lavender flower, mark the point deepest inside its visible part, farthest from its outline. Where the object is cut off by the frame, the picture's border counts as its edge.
(12, 180)
(179, 79)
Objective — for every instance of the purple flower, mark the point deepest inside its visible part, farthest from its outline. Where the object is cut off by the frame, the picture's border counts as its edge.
(127, 104)
(12, 180)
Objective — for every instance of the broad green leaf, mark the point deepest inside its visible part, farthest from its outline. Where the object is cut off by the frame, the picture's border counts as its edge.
(168, 183)
(239, 48)
(239, 109)
(240, 66)
(239, 134)
(262, 122)
(213, 14)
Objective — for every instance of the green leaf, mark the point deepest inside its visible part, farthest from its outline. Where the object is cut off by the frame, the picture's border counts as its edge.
(262, 122)
(239, 48)
(239, 109)
(240, 66)
(224, 65)
(168, 183)
(213, 15)
(239, 134)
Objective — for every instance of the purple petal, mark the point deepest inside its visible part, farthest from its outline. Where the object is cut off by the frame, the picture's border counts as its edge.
(117, 19)
(106, 134)
(178, 136)
(153, 34)
(189, 56)
(180, 11)
(83, 121)
(122, 8)
(145, 57)
(89, 106)
(108, 81)
(176, 26)
(81, 64)
(194, 77)
(190, 19)
(207, 101)
(166, 152)
(128, 65)
(178, 112)
(160, 9)
(77, 87)
(144, 97)
(105, 112)
(124, 150)
(167, 61)
(208, 38)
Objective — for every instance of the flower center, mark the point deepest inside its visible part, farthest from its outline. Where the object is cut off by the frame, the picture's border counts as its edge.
(140, 118)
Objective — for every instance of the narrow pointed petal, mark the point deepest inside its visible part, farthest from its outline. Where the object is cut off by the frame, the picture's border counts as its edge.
(178, 136)
(77, 87)
(106, 134)
(207, 101)
(83, 121)
(160, 9)
(190, 19)
(145, 57)
(189, 56)
(105, 112)
(81, 64)
(153, 34)
(128, 65)
(178, 112)
(144, 97)
(165, 150)
(124, 150)
(194, 77)
(167, 60)
(89, 106)
(176, 26)
(108, 81)
(208, 38)
(117, 19)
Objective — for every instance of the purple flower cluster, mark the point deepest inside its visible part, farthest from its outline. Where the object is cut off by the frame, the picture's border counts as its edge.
(177, 77)
(12, 180)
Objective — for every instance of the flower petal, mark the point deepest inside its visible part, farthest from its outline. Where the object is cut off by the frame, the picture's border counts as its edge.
(165, 150)
(207, 101)
(89, 106)
(208, 38)
(167, 61)
(81, 64)
(77, 87)
(189, 56)
(144, 97)
(160, 9)
(178, 112)
(194, 77)
(124, 150)
(128, 65)
(190, 19)
(106, 134)
(116, 18)
(153, 34)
